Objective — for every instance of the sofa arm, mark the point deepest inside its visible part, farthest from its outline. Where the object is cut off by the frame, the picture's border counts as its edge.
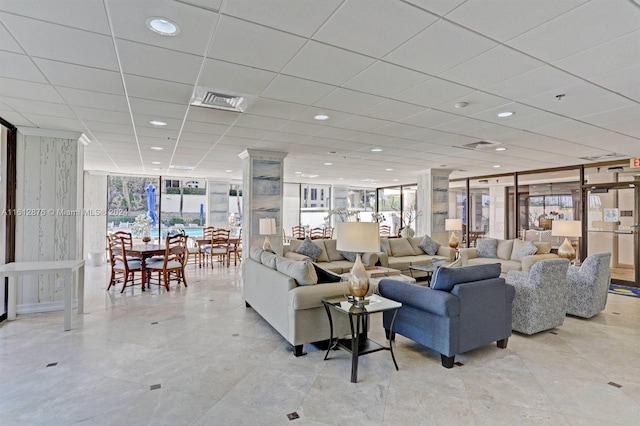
(468, 253)
(310, 296)
(528, 261)
(370, 259)
(448, 252)
(296, 256)
(383, 258)
(435, 302)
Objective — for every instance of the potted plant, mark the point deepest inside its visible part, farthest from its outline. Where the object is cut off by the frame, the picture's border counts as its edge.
(142, 227)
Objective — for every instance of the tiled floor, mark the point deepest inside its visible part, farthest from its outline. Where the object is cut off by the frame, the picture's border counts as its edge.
(198, 356)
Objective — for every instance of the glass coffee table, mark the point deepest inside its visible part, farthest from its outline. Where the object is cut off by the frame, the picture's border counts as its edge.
(359, 344)
(429, 268)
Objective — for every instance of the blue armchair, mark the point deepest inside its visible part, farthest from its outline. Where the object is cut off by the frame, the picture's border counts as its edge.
(540, 296)
(465, 308)
(589, 286)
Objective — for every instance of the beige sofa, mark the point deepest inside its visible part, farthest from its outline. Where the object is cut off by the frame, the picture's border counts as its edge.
(330, 258)
(270, 287)
(507, 255)
(400, 253)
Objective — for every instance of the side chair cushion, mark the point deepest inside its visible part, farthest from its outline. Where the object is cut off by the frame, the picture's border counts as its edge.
(159, 264)
(446, 278)
(302, 271)
(527, 250)
(487, 247)
(429, 246)
(132, 264)
(309, 248)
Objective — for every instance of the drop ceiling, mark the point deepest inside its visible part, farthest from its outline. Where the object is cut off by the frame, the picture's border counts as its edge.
(388, 74)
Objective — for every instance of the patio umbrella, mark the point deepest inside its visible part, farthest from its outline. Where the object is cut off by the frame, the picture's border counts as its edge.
(151, 204)
(201, 213)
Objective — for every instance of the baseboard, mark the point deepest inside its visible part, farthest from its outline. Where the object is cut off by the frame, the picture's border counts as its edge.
(37, 308)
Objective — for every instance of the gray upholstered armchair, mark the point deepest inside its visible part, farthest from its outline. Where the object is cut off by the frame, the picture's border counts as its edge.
(589, 286)
(540, 296)
(464, 309)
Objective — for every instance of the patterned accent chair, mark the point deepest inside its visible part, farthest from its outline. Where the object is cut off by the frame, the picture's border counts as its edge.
(589, 286)
(540, 296)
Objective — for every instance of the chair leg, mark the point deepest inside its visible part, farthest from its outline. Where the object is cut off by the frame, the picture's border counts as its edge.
(502, 344)
(297, 350)
(390, 336)
(447, 361)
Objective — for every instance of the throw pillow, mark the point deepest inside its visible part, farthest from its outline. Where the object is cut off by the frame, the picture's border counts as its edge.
(325, 276)
(527, 250)
(401, 247)
(309, 248)
(487, 247)
(349, 255)
(302, 271)
(428, 245)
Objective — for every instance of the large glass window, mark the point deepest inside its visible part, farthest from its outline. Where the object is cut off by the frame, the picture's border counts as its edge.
(316, 203)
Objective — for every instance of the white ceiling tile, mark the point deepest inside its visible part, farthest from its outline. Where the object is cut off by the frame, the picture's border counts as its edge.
(430, 117)
(434, 92)
(28, 90)
(88, 98)
(326, 64)
(151, 61)
(100, 126)
(488, 68)
(211, 115)
(439, 7)
(16, 119)
(234, 79)
(392, 110)
(254, 45)
(95, 114)
(7, 42)
(294, 16)
(348, 101)
(532, 83)
(195, 24)
(86, 14)
(605, 118)
(81, 77)
(392, 23)
(477, 102)
(158, 109)
(19, 67)
(517, 16)
(273, 108)
(51, 41)
(593, 23)
(384, 79)
(207, 128)
(50, 121)
(426, 52)
(259, 122)
(158, 90)
(32, 106)
(357, 122)
(247, 133)
(144, 129)
(296, 90)
(622, 81)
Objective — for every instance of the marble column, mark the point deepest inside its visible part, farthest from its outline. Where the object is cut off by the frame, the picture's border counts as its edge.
(49, 198)
(433, 204)
(218, 204)
(262, 196)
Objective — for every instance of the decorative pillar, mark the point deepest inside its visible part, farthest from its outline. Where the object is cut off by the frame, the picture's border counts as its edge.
(433, 204)
(95, 218)
(218, 204)
(262, 195)
(49, 208)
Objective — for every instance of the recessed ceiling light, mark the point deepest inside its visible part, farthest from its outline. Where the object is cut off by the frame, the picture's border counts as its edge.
(321, 117)
(497, 166)
(162, 26)
(328, 164)
(157, 148)
(157, 168)
(461, 105)
(505, 114)
(501, 149)
(157, 123)
(376, 149)
(395, 180)
(228, 170)
(388, 170)
(156, 162)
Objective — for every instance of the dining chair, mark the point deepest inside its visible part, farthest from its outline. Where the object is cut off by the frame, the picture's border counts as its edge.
(193, 250)
(298, 232)
(219, 247)
(316, 233)
(127, 239)
(171, 266)
(123, 269)
(203, 244)
(385, 231)
(328, 232)
(235, 247)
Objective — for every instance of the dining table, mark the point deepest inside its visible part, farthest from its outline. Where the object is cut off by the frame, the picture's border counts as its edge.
(145, 251)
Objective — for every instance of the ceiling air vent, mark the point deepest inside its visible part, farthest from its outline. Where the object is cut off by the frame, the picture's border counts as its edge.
(604, 157)
(210, 98)
(479, 145)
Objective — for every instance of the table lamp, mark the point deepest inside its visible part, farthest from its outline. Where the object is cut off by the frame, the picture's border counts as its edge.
(567, 229)
(267, 227)
(453, 225)
(358, 237)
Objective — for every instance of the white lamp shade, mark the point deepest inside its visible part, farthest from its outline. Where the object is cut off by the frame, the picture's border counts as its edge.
(359, 237)
(453, 224)
(268, 226)
(566, 228)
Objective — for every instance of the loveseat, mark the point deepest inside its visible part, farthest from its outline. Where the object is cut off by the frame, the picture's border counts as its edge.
(513, 255)
(286, 294)
(329, 257)
(465, 308)
(400, 253)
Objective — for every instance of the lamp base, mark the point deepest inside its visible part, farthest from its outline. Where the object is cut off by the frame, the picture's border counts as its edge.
(566, 250)
(454, 241)
(358, 281)
(267, 244)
